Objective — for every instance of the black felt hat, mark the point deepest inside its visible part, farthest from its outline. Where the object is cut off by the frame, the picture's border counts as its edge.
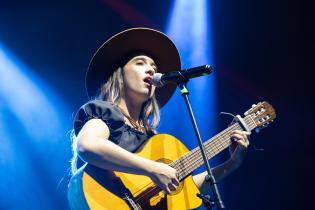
(145, 40)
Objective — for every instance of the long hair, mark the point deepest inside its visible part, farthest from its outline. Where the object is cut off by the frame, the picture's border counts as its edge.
(112, 91)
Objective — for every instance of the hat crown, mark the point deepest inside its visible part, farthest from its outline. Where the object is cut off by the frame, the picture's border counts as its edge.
(116, 50)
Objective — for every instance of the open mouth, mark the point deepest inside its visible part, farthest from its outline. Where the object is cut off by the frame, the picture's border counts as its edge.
(148, 80)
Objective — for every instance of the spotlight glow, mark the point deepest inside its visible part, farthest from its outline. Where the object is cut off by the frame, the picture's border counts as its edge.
(32, 138)
(189, 27)
(27, 97)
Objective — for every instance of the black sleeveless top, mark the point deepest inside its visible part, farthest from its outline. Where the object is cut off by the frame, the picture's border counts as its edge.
(120, 133)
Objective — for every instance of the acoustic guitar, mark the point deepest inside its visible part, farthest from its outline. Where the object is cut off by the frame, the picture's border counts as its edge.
(97, 189)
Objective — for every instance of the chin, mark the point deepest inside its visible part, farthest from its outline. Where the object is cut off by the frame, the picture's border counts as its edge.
(143, 94)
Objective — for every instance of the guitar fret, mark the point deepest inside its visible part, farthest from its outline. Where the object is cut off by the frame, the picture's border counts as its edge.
(192, 160)
(144, 191)
(214, 146)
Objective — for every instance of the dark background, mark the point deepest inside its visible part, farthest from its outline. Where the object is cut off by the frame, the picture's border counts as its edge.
(263, 50)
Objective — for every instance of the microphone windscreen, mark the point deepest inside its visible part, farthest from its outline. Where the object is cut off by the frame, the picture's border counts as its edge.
(157, 80)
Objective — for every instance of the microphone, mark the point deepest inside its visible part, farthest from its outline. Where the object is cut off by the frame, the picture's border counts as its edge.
(181, 76)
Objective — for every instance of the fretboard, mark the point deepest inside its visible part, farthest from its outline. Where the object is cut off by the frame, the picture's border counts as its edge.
(192, 160)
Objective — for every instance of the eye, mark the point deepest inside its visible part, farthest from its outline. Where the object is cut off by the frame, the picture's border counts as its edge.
(139, 62)
(154, 68)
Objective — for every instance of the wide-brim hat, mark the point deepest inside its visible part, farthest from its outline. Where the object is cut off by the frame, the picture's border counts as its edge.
(112, 53)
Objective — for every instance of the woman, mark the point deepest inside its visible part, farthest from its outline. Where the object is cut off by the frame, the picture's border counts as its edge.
(125, 113)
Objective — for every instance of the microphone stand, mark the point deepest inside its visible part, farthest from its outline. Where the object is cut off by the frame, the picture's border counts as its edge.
(206, 199)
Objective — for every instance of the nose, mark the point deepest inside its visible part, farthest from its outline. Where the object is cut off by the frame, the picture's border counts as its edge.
(150, 70)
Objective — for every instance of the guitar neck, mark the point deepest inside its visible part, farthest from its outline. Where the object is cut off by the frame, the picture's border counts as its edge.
(192, 160)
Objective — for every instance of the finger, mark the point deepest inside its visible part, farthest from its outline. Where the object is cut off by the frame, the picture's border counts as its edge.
(237, 131)
(240, 132)
(175, 181)
(242, 144)
(240, 141)
(167, 190)
(246, 140)
(172, 187)
(247, 143)
(240, 136)
(237, 137)
(244, 133)
(247, 133)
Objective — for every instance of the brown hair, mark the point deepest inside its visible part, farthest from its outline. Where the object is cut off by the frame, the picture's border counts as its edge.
(111, 91)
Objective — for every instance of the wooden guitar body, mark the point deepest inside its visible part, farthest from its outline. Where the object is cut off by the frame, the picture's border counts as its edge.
(97, 189)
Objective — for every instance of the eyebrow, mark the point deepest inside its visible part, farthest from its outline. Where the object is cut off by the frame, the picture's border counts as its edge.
(145, 60)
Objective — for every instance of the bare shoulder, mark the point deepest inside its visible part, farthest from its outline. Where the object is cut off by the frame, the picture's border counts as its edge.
(96, 128)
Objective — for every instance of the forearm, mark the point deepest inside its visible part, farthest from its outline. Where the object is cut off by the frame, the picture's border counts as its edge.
(107, 155)
(219, 173)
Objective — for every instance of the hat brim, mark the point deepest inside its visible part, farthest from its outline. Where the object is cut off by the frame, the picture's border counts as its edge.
(148, 41)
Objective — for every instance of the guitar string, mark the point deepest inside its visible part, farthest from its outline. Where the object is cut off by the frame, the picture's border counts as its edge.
(183, 158)
(171, 165)
(206, 145)
(151, 193)
(154, 198)
(213, 145)
(217, 146)
(222, 145)
(214, 148)
(155, 191)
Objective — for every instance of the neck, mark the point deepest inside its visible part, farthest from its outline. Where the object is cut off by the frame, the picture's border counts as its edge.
(186, 164)
(131, 107)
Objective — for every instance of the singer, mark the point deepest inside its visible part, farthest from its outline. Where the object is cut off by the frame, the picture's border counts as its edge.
(113, 127)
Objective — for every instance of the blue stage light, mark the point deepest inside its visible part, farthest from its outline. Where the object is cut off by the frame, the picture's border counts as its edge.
(28, 98)
(189, 27)
(32, 136)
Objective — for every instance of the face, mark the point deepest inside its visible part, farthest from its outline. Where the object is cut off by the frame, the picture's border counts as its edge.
(138, 73)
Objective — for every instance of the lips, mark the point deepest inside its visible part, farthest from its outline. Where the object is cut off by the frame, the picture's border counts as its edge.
(148, 80)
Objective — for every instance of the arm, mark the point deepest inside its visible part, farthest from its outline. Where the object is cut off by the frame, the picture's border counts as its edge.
(237, 151)
(219, 173)
(94, 147)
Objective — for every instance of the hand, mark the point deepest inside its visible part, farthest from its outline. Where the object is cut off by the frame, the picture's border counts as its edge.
(238, 147)
(165, 177)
